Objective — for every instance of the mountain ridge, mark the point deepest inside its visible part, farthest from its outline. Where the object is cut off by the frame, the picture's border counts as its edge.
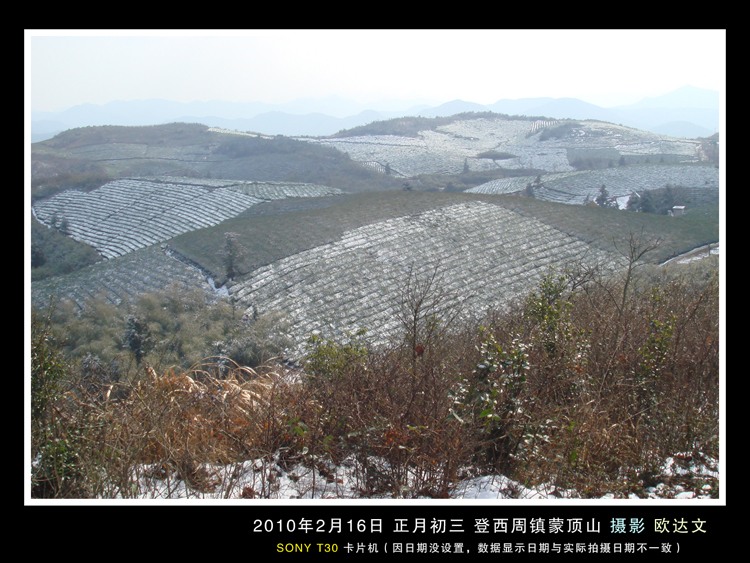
(314, 117)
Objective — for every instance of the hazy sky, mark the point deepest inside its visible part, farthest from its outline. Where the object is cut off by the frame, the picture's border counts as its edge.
(605, 67)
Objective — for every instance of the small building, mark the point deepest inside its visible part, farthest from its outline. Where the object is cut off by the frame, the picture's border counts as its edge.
(677, 210)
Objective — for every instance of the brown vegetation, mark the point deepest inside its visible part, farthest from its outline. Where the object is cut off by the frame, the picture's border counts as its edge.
(588, 384)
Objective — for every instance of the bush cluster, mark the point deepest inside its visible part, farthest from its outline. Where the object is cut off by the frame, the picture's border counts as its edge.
(588, 384)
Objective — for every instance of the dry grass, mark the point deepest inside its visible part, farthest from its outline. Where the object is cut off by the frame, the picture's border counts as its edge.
(185, 416)
(580, 387)
(174, 424)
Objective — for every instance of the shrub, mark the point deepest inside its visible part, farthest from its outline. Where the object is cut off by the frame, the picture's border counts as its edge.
(559, 131)
(589, 383)
(64, 460)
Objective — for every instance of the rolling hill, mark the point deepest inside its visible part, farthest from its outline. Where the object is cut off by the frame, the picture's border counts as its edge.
(330, 226)
(88, 157)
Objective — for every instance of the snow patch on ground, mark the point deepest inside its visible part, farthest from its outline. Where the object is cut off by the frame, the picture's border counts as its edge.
(221, 291)
(275, 479)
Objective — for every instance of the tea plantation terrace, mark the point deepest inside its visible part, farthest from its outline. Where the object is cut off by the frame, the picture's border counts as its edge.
(128, 214)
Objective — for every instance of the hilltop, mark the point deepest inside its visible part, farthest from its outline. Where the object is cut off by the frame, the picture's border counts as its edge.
(88, 157)
(466, 149)
(495, 142)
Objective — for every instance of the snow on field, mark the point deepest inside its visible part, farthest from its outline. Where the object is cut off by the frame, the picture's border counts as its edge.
(355, 281)
(283, 190)
(240, 133)
(516, 183)
(622, 181)
(128, 214)
(713, 251)
(695, 254)
(486, 133)
(447, 148)
(145, 270)
(271, 479)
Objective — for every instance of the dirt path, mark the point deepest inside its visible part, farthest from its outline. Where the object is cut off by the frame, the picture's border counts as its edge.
(695, 254)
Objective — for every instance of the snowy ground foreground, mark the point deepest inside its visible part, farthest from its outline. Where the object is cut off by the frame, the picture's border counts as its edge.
(268, 480)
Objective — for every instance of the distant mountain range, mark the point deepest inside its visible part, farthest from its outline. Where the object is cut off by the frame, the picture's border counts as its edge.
(687, 112)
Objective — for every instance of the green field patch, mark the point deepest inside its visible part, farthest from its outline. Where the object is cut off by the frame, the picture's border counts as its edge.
(272, 231)
(609, 228)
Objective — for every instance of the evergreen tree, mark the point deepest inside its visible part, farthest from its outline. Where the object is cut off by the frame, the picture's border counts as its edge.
(647, 203)
(602, 200)
(232, 253)
(137, 337)
(633, 202)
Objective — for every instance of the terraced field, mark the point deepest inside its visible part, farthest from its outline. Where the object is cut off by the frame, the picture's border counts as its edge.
(121, 279)
(622, 181)
(125, 215)
(447, 148)
(87, 157)
(336, 262)
(485, 253)
(341, 266)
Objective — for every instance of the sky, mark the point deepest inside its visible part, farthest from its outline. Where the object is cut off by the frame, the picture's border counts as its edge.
(65, 68)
